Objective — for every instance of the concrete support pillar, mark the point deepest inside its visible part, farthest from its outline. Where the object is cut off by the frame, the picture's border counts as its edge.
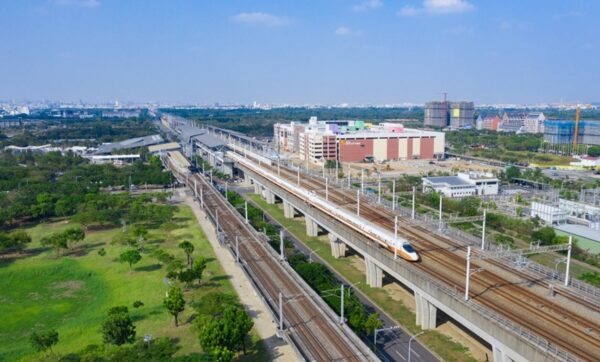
(374, 273)
(498, 355)
(257, 188)
(338, 247)
(247, 180)
(269, 196)
(426, 312)
(312, 228)
(288, 210)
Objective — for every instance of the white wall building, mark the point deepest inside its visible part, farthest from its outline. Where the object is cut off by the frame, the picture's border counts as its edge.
(550, 214)
(463, 184)
(534, 122)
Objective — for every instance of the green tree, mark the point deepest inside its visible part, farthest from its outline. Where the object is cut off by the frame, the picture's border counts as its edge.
(198, 269)
(118, 327)
(174, 303)
(42, 341)
(57, 241)
(130, 256)
(188, 249)
(544, 235)
(512, 172)
(372, 323)
(594, 151)
(73, 235)
(239, 323)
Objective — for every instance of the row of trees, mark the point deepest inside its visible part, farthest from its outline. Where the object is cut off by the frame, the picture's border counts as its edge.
(53, 185)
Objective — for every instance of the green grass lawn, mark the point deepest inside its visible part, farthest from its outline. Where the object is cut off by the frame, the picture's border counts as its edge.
(443, 346)
(73, 293)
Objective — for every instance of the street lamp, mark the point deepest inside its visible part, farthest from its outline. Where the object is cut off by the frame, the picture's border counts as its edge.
(410, 341)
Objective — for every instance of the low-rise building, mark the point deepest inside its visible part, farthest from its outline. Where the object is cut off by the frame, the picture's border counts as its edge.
(463, 184)
(549, 213)
(534, 122)
(114, 159)
(512, 121)
(491, 122)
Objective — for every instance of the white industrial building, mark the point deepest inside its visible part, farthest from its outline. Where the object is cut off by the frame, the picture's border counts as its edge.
(463, 184)
(549, 213)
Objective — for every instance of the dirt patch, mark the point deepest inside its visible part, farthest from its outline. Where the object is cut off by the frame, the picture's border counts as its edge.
(67, 288)
(358, 263)
(397, 293)
(476, 349)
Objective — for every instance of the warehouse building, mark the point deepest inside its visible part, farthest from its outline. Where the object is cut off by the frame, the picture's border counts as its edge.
(463, 184)
(357, 141)
(108, 148)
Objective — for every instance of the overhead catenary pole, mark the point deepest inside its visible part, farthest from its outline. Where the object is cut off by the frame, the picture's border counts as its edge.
(468, 274)
(201, 197)
(483, 230)
(396, 237)
(327, 188)
(394, 194)
(358, 202)
(362, 181)
(440, 217)
(568, 260)
(413, 203)
(342, 304)
(246, 211)
(195, 189)
(280, 312)
(298, 175)
(379, 190)
(337, 169)
(237, 250)
(281, 246)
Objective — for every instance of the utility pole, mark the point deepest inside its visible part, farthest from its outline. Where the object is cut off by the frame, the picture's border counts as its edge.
(413, 203)
(358, 202)
(568, 260)
(468, 274)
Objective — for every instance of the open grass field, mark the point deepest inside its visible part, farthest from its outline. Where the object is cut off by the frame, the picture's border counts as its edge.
(444, 346)
(73, 293)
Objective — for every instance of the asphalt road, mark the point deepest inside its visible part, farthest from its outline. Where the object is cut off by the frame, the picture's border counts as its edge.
(392, 345)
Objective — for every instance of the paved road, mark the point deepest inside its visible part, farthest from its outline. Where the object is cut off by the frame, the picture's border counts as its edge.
(392, 345)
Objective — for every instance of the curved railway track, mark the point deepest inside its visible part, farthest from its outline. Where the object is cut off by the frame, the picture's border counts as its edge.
(446, 260)
(306, 323)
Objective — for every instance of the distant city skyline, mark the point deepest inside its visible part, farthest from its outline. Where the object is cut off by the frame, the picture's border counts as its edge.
(281, 52)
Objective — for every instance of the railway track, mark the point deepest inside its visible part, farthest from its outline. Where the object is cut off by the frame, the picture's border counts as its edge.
(444, 259)
(306, 324)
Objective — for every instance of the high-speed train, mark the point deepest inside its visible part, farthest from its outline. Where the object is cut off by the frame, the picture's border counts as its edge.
(399, 246)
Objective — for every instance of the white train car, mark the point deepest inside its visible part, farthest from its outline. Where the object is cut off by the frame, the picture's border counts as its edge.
(399, 245)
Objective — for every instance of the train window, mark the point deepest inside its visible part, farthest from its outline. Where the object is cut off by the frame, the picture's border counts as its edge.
(408, 248)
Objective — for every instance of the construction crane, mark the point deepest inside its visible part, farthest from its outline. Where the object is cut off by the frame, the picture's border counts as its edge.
(576, 136)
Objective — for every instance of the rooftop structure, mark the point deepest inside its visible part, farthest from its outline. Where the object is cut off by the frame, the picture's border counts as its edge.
(357, 141)
(463, 184)
(163, 147)
(131, 143)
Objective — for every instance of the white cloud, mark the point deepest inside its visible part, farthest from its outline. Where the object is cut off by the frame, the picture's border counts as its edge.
(80, 3)
(367, 5)
(447, 6)
(437, 7)
(409, 11)
(345, 31)
(259, 18)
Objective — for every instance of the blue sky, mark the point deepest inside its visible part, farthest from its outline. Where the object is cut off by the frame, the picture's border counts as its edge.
(321, 51)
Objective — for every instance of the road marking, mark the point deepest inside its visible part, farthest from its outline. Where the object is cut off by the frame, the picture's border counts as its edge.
(401, 356)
